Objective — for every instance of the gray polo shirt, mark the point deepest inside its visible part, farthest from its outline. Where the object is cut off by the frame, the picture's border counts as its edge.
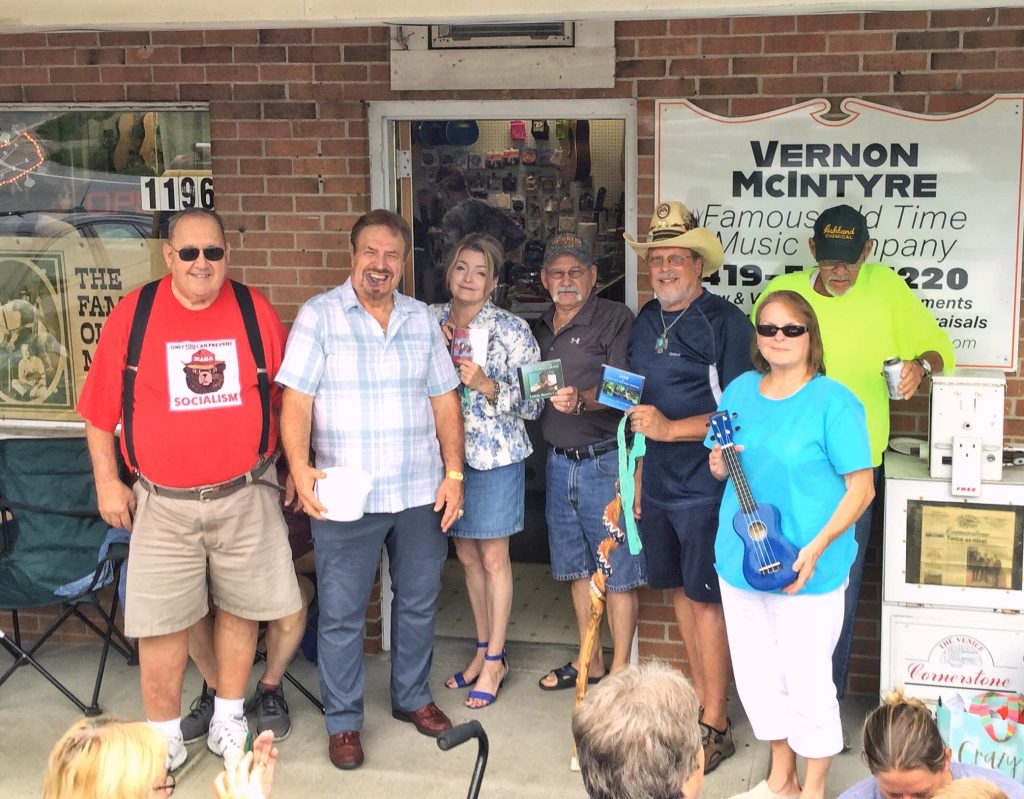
(598, 334)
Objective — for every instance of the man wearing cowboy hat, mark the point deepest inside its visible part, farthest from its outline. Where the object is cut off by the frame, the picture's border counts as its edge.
(206, 505)
(689, 344)
(866, 314)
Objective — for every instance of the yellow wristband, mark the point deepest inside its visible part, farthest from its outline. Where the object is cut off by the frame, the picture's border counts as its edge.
(453, 475)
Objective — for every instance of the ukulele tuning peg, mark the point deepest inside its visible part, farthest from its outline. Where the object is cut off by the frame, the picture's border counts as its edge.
(737, 428)
(735, 416)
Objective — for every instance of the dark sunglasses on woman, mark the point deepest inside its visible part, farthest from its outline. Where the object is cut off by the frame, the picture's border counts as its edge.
(789, 331)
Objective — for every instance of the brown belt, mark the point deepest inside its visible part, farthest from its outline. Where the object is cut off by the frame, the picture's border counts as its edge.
(216, 490)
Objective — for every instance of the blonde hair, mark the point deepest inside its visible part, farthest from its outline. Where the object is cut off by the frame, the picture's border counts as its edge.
(901, 735)
(105, 758)
(970, 789)
(637, 734)
(488, 246)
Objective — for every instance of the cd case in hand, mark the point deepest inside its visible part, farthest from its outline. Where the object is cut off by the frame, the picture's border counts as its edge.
(469, 344)
(619, 389)
(541, 380)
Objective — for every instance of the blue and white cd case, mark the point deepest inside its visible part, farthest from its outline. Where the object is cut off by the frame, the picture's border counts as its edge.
(619, 388)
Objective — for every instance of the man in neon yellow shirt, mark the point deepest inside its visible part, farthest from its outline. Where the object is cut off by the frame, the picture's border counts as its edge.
(867, 314)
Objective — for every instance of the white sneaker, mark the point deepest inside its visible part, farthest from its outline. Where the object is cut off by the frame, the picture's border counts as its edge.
(227, 736)
(176, 753)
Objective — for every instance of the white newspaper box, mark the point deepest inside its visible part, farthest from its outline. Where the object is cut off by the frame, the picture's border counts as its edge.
(937, 652)
(952, 593)
(952, 551)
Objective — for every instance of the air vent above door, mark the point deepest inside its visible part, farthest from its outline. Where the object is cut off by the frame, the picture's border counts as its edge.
(515, 34)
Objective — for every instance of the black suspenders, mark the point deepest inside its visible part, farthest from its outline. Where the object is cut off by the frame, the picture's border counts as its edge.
(138, 332)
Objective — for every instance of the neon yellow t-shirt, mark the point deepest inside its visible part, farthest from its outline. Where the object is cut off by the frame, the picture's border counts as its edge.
(879, 317)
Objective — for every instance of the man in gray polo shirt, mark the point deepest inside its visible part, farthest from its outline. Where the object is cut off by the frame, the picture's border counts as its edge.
(584, 331)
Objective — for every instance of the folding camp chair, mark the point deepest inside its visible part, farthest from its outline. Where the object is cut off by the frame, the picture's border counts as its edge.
(51, 535)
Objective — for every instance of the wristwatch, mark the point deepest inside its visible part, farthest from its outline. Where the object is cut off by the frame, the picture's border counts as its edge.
(926, 365)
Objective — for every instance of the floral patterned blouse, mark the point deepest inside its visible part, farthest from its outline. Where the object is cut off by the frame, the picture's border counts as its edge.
(495, 432)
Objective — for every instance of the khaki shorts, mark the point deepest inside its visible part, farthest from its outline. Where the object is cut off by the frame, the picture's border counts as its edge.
(239, 543)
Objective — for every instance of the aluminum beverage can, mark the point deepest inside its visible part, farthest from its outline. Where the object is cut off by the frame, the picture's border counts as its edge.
(892, 368)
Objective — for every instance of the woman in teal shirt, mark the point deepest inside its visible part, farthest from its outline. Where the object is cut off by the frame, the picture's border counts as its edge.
(804, 445)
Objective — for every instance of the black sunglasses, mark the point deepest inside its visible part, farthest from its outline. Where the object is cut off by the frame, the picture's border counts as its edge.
(789, 331)
(189, 254)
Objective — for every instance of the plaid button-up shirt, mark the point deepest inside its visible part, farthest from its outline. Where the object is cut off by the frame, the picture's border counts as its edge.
(371, 406)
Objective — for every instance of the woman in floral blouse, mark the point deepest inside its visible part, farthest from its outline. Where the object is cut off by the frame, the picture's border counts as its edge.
(490, 344)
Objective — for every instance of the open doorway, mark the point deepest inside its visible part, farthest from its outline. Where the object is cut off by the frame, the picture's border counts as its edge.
(540, 168)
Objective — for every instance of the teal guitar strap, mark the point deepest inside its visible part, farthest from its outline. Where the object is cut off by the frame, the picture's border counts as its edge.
(627, 468)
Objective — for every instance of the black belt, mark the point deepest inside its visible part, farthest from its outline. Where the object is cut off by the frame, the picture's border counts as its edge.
(214, 491)
(592, 451)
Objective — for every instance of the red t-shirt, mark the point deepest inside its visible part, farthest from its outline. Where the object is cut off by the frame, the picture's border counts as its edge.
(197, 406)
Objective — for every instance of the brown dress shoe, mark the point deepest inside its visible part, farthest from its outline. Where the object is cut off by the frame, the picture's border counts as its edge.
(429, 719)
(345, 750)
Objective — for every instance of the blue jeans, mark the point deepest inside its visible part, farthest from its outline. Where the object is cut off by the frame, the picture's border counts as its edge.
(841, 655)
(347, 554)
(577, 494)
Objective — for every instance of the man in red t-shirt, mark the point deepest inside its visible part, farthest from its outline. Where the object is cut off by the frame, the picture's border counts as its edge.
(205, 507)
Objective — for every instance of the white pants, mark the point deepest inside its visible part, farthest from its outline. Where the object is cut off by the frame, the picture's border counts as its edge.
(781, 648)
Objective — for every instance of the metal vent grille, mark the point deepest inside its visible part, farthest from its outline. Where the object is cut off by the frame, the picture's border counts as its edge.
(517, 34)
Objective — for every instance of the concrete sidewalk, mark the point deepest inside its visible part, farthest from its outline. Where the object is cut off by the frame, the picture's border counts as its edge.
(530, 739)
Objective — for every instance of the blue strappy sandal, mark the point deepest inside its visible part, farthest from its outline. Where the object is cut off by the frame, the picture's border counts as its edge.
(459, 677)
(487, 698)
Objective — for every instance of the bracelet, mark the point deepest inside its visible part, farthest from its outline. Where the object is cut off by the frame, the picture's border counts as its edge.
(493, 396)
(581, 405)
(454, 475)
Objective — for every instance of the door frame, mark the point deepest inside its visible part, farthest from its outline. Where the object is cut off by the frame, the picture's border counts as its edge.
(384, 186)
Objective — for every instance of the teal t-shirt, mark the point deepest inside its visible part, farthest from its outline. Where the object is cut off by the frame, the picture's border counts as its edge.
(877, 318)
(796, 451)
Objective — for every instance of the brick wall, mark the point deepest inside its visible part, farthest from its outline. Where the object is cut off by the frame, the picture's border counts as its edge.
(289, 129)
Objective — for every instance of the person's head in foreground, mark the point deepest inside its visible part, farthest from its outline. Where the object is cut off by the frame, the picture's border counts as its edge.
(637, 736)
(903, 748)
(103, 758)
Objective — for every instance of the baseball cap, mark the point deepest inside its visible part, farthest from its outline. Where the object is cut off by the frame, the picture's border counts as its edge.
(840, 234)
(568, 244)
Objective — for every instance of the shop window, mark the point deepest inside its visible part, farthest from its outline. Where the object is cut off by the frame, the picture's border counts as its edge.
(84, 193)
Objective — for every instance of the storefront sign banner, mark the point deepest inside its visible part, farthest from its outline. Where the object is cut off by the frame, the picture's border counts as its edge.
(942, 196)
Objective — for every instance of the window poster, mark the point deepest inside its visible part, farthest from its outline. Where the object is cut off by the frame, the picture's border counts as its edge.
(942, 195)
(85, 193)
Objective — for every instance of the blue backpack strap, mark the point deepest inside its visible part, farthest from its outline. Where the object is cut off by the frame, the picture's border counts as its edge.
(131, 368)
(252, 331)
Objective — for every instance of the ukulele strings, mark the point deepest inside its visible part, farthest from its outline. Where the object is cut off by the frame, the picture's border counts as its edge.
(762, 547)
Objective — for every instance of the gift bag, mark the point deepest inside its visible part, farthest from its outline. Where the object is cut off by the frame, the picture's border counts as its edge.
(987, 733)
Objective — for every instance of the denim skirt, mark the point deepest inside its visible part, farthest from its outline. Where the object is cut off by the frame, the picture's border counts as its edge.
(494, 502)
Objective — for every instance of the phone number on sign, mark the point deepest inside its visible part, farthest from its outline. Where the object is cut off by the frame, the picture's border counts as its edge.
(931, 277)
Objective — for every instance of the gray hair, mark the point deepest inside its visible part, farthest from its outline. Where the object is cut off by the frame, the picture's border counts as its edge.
(206, 213)
(637, 734)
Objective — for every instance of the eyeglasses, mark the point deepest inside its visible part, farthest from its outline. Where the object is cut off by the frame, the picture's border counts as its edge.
(189, 254)
(575, 273)
(168, 787)
(789, 331)
(660, 261)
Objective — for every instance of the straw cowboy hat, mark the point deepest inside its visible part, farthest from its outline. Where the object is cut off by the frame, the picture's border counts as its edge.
(674, 226)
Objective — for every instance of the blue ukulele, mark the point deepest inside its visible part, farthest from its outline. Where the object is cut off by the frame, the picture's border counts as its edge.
(768, 556)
